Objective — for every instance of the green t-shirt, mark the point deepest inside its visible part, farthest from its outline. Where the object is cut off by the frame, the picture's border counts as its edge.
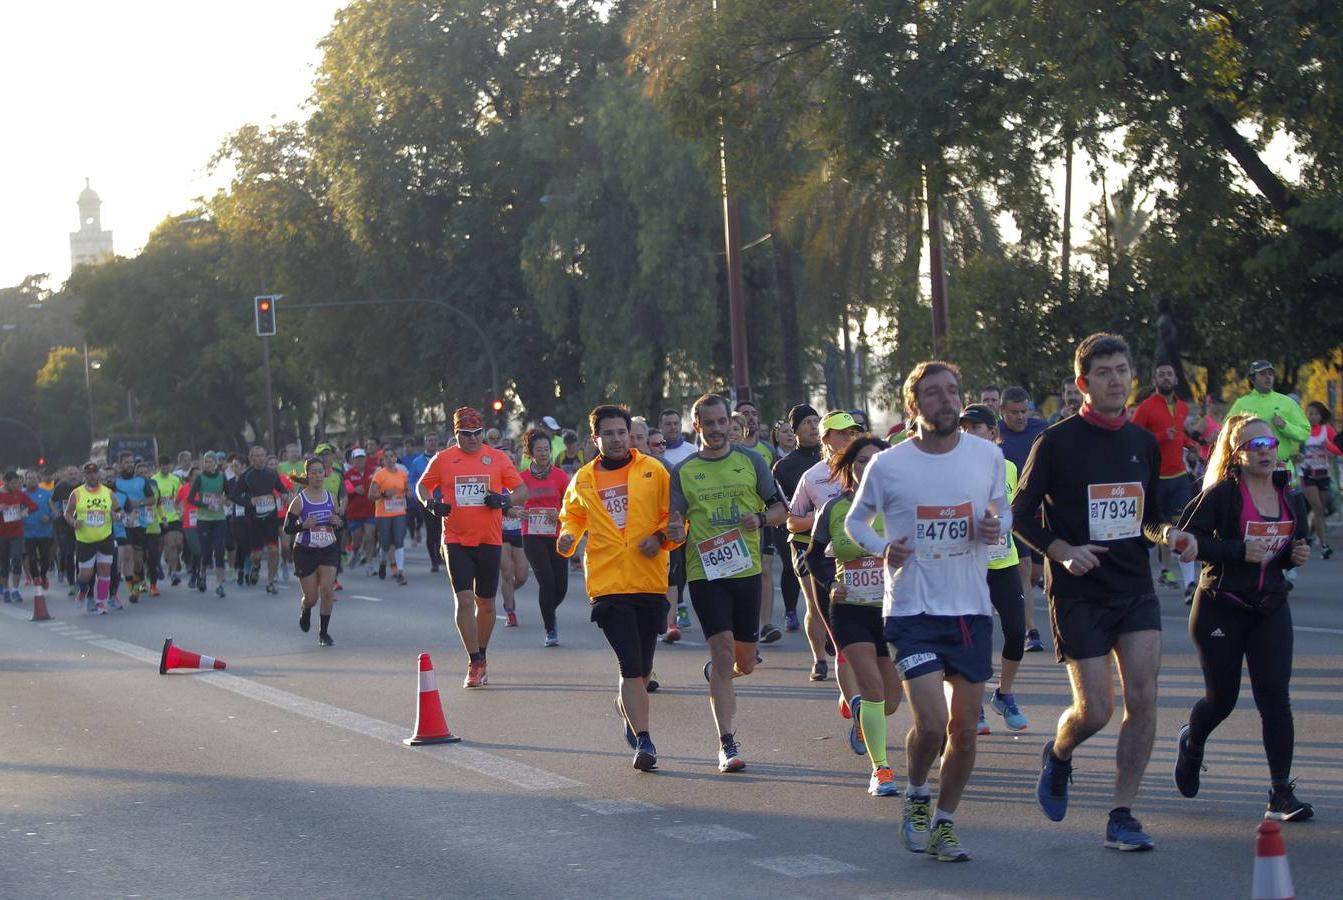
(1296, 427)
(211, 486)
(765, 450)
(167, 487)
(714, 494)
(829, 531)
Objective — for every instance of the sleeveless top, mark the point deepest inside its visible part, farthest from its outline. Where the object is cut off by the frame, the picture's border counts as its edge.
(323, 536)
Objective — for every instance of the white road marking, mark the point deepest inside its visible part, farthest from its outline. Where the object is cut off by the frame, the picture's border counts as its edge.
(490, 765)
(705, 834)
(805, 866)
(366, 597)
(617, 807)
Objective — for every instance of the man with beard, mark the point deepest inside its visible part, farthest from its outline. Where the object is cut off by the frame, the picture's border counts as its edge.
(1164, 414)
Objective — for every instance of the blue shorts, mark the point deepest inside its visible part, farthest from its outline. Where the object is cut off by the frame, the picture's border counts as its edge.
(1173, 495)
(355, 524)
(953, 645)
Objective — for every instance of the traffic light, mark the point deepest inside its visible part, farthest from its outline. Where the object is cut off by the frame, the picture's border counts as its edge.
(265, 315)
(41, 461)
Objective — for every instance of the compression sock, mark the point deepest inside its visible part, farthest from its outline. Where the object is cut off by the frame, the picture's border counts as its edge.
(872, 716)
(400, 558)
(104, 587)
(323, 622)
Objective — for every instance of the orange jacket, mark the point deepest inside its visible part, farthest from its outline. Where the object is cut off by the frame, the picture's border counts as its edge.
(613, 563)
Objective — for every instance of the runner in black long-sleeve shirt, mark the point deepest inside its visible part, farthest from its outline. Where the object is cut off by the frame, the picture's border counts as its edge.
(1096, 475)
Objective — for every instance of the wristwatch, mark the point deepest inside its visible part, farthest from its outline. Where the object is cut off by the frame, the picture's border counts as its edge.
(763, 518)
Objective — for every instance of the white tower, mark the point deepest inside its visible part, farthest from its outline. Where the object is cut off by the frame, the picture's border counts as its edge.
(89, 245)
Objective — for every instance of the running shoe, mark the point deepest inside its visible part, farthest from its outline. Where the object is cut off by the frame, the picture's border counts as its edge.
(475, 675)
(368, 571)
(914, 823)
(324, 640)
(1188, 765)
(790, 622)
(73, 590)
(625, 724)
(15, 596)
(271, 588)
(1326, 551)
(382, 569)
(1168, 579)
(1284, 807)
(1005, 705)
(653, 684)
(401, 579)
(512, 620)
(177, 579)
(304, 617)
(153, 590)
(134, 595)
(983, 726)
(1052, 788)
(552, 638)
(254, 577)
(219, 591)
(856, 742)
(100, 609)
(819, 670)
(672, 636)
(844, 711)
(1123, 832)
(769, 634)
(729, 756)
(200, 584)
(339, 586)
(944, 846)
(645, 755)
(682, 617)
(882, 783)
(114, 604)
(1033, 642)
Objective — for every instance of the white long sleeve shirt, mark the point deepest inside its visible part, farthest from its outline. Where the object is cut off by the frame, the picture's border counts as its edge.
(933, 500)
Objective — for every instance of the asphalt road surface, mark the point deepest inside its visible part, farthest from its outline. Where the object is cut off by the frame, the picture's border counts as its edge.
(286, 776)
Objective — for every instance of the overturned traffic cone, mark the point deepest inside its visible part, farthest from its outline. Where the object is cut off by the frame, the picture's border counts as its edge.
(174, 658)
(430, 726)
(1272, 877)
(40, 613)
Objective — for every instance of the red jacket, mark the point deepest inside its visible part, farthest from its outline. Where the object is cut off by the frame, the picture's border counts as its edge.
(1154, 414)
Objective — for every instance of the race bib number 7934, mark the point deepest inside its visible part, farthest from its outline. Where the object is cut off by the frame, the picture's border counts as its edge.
(1114, 511)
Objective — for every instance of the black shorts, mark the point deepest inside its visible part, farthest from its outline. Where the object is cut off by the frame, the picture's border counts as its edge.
(171, 526)
(85, 552)
(1085, 628)
(728, 604)
(136, 538)
(854, 624)
(799, 559)
(676, 568)
(1316, 481)
(513, 539)
(474, 569)
(307, 559)
(632, 623)
(263, 533)
(1172, 495)
(954, 645)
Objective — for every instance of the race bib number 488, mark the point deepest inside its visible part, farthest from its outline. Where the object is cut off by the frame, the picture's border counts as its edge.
(944, 532)
(616, 500)
(1114, 511)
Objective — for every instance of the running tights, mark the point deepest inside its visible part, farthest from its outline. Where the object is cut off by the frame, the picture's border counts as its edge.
(552, 574)
(1005, 593)
(1226, 635)
(39, 557)
(789, 586)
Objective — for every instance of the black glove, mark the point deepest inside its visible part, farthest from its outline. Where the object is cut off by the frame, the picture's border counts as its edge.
(439, 508)
(496, 501)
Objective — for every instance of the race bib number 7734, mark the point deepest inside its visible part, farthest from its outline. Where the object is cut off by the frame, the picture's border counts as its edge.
(470, 490)
(1114, 511)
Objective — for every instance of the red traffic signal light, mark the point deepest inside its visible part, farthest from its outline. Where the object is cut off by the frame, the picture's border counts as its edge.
(265, 315)
(497, 406)
(41, 461)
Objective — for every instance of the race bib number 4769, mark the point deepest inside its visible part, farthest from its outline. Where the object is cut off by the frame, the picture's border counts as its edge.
(943, 532)
(1114, 511)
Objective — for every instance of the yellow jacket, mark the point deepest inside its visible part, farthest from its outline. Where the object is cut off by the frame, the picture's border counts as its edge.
(613, 563)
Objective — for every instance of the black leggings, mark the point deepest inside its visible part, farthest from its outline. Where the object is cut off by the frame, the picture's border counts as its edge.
(38, 551)
(433, 538)
(1225, 635)
(153, 543)
(65, 550)
(1005, 594)
(552, 574)
(789, 585)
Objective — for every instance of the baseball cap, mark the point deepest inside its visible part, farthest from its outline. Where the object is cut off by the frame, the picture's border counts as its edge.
(839, 420)
(358, 452)
(980, 415)
(549, 422)
(92, 465)
(467, 418)
(323, 448)
(1260, 365)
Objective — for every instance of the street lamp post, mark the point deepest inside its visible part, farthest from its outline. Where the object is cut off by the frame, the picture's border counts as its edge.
(88, 392)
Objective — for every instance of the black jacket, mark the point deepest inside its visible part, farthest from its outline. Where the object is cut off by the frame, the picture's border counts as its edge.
(1214, 518)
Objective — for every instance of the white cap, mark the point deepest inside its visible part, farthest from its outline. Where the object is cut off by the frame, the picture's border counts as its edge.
(549, 422)
(357, 451)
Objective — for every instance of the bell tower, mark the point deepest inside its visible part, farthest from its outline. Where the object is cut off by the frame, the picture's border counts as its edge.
(89, 245)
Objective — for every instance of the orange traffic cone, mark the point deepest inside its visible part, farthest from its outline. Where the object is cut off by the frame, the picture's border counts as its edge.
(174, 658)
(40, 613)
(430, 726)
(1272, 877)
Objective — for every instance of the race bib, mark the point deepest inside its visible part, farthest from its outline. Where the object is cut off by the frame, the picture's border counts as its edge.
(617, 502)
(1114, 511)
(168, 506)
(320, 539)
(543, 521)
(470, 490)
(214, 501)
(95, 518)
(190, 518)
(725, 555)
(1272, 535)
(1002, 549)
(13, 513)
(394, 505)
(264, 505)
(146, 516)
(944, 532)
(1313, 459)
(865, 581)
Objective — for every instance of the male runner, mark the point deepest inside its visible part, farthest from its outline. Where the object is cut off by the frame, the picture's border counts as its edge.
(139, 491)
(89, 514)
(433, 525)
(806, 424)
(1164, 414)
(1018, 432)
(167, 485)
(359, 515)
(1070, 399)
(1097, 476)
(675, 448)
(678, 448)
(15, 505)
(727, 496)
(1282, 413)
(769, 632)
(940, 494)
(259, 492)
(474, 480)
(992, 397)
(621, 501)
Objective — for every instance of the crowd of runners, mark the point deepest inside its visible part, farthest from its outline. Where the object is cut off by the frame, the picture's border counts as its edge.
(894, 551)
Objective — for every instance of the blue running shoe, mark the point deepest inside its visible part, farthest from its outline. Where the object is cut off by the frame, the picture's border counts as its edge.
(915, 822)
(682, 617)
(645, 756)
(856, 742)
(1052, 788)
(1005, 705)
(1123, 832)
(629, 732)
(790, 622)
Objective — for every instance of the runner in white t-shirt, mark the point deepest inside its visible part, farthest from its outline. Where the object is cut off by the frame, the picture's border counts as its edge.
(940, 494)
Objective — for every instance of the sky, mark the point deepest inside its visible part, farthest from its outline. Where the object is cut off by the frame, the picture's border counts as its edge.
(135, 96)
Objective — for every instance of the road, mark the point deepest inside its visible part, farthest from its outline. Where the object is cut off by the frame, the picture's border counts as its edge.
(285, 775)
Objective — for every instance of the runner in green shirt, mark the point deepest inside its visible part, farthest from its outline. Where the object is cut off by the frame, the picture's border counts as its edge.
(1283, 414)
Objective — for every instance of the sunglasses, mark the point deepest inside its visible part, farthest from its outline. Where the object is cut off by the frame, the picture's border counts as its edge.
(471, 431)
(1260, 443)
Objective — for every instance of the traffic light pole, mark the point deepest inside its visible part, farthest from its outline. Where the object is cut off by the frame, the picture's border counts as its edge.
(270, 402)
